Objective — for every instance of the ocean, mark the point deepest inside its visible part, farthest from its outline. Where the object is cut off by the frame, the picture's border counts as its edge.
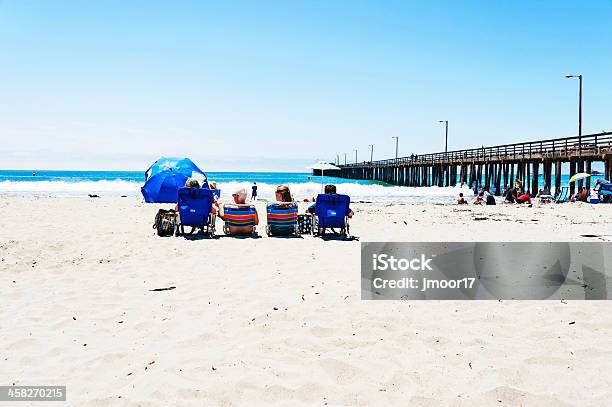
(302, 185)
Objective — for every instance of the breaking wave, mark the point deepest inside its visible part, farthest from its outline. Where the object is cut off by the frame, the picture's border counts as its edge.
(299, 190)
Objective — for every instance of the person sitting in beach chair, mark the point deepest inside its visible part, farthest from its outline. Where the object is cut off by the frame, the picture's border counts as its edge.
(240, 218)
(581, 196)
(331, 211)
(282, 216)
(196, 209)
(189, 183)
(604, 190)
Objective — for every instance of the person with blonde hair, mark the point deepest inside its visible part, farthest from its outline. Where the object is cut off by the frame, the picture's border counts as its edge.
(282, 215)
(283, 194)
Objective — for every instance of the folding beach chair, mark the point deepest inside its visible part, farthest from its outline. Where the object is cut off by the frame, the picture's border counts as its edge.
(331, 211)
(195, 210)
(563, 195)
(604, 192)
(238, 216)
(282, 219)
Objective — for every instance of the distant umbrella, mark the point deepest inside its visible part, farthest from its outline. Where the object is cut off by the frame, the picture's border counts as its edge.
(579, 176)
(323, 166)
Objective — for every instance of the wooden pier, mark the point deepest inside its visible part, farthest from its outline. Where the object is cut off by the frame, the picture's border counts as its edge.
(493, 167)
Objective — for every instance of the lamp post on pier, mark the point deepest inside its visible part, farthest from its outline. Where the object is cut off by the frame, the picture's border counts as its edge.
(579, 111)
(446, 138)
(371, 152)
(396, 144)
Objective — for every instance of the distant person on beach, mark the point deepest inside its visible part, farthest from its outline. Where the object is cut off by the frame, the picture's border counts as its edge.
(329, 189)
(283, 194)
(254, 191)
(461, 200)
(479, 199)
(521, 197)
(488, 197)
(508, 195)
(580, 196)
(240, 197)
(518, 184)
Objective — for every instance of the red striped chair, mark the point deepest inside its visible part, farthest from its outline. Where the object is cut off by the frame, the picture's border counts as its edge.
(239, 219)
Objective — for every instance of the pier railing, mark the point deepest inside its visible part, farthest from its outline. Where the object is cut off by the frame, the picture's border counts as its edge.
(590, 145)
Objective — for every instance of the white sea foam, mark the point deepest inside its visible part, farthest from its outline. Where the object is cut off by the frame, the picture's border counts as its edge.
(114, 187)
(357, 192)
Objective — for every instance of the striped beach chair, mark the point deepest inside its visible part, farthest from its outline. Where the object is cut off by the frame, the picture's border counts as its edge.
(239, 216)
(562, 195)
(282, 219)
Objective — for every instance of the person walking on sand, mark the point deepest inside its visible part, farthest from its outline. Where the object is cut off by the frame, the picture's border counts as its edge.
(254, 191)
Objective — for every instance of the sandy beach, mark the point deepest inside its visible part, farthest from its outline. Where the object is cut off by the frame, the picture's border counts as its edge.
(275, 321)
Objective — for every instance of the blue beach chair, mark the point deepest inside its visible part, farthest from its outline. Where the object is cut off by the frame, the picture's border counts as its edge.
(282, 219)
(563, 195)
(604, 191)
(195, 210)
(331, 211)
(239, 216)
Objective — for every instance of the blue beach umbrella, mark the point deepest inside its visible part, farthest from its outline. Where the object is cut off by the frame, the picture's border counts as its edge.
(181, 165)
(163, 187)
(166, 176)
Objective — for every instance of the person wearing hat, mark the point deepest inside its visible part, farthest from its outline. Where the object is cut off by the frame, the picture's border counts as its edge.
(240, 197)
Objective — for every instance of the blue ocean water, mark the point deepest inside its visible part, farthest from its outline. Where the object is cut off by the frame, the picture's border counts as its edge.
(128, 183)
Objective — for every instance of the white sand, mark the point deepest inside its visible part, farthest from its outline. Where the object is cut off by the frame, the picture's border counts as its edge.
(76, 310)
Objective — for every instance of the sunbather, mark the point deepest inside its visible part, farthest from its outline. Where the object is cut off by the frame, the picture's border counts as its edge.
(521, 197)
(461, 200)
(580, 196)
(489, 199)
(282, 215)
(240, 197)
(329, 189)
(190, 183)
(508, 194)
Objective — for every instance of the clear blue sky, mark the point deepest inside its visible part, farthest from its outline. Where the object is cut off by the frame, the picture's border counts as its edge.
(278, 84)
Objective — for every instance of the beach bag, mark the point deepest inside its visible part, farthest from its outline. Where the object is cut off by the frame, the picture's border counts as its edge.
(304, 224)
(165, 222)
